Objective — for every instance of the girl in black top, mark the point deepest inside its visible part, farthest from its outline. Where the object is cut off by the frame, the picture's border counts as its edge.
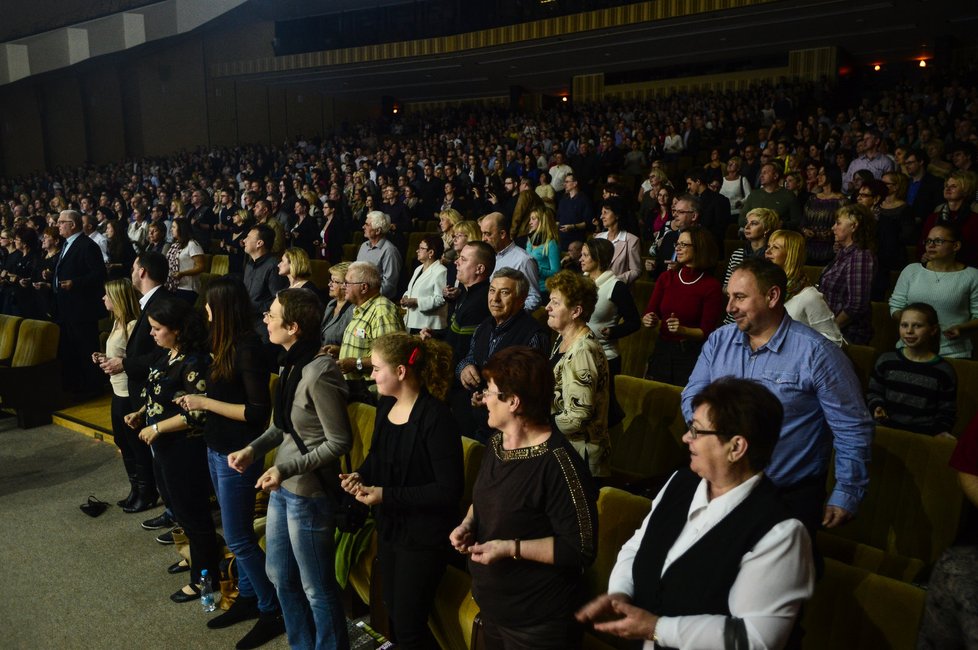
(414, 476)
(238, 405)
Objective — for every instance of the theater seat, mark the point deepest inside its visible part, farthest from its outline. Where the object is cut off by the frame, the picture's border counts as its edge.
(911, 511)
(863, 358)
(31, 385)
(967, 373)
(641, 291)
(647, 445)
(886, 331)
(320, 273)
(854, 608)
(9, 326)
(635, 350)
(219, 265)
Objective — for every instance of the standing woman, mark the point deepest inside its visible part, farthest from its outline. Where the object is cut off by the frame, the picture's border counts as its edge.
(51, 243)
(531, 529)
(580, 402)
(543, 244)
(121, 251)
(761, 222)
(686, 305)
(23, 296)
(895, 231)
(615, 315)
(238, 406)
(447, 220)
(735, 187)
(413, 474)
(622, 231)
(424, 299)
(186, 261)
(819, 215)
(176, 434)
(297, 269)
(312, 431)
(339, 311)
(122, 301)
(803, 302)
(847, 281)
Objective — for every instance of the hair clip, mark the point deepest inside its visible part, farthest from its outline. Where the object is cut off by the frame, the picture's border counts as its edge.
(415, 353)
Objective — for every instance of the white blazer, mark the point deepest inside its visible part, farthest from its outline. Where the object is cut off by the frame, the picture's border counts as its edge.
(427, 288)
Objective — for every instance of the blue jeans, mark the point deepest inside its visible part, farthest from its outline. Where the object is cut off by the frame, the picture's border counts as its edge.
(236, 496)
(301, 565)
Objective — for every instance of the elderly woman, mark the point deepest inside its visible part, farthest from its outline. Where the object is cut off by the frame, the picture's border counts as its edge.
(580, 403)
(424, 299)
(946, 284)
(803, 302)
(339, 310)
(530, 530)
(686, 305)
(414, 474)
(622, 231)
(311, 430)
(846, 282)
(959, 193)
(717, 562)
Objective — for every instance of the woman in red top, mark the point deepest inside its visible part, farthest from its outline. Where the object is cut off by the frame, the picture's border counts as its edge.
(686, 305)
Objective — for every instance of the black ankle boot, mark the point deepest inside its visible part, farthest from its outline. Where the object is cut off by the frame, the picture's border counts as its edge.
(146, 498)
(127, 502)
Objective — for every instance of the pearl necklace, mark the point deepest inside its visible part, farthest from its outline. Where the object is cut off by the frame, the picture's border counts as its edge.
(680, 276)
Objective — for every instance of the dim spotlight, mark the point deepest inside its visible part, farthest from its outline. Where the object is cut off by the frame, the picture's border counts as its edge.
(877, 67)
(564, 98)
(923, 63)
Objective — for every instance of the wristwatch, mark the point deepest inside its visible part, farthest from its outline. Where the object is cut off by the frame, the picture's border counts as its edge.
(156, 429)
(360, 363)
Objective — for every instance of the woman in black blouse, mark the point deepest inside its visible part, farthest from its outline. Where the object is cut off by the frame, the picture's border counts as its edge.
(238, 405)
(176, 435)
(414, 476)
(531, 529)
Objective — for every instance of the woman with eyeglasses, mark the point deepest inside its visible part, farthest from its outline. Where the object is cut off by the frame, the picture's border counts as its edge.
(424, 299)
(686, 305)
(959, 193)
(718, 562)
(339, 311)
(946, 284)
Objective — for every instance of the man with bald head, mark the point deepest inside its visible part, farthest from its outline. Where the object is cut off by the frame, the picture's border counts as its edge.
(495, 229)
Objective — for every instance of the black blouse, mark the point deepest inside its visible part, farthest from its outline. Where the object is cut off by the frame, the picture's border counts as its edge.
(171, 378)
(249, 386)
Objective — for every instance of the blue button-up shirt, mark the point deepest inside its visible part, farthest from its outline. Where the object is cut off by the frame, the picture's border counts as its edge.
(822, 399)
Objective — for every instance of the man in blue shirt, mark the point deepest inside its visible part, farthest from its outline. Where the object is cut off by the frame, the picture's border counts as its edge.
(822, 398)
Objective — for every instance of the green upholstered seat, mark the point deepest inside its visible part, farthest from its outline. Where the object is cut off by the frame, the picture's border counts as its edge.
(9, 326)
(967, 373)
(863, 358)
(648, 442)
(219, 264)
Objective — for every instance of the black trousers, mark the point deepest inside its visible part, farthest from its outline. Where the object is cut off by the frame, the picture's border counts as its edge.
(672, 362)
(135, 453)
(182, 463)
(78, 340)
(410, 578)
(552, 635)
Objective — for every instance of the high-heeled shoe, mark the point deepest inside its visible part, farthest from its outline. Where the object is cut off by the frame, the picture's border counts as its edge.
(181, 596)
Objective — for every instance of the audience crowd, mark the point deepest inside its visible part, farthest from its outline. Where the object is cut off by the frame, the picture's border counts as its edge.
(725, 193)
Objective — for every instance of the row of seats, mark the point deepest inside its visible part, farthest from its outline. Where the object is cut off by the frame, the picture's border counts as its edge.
(30, 373)
(910, 514)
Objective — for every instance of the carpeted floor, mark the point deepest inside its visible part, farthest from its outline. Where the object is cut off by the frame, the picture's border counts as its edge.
(70, 581)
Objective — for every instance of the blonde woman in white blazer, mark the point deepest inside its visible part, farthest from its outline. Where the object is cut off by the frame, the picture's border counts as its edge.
(424, 300)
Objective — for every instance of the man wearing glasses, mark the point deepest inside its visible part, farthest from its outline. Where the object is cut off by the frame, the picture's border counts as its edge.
(925, 191)
(685, 212)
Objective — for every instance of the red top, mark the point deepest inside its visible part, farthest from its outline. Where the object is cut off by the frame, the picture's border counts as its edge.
(695, 297)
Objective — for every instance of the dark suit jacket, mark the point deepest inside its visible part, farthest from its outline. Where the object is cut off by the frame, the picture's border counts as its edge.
(929, 196)
(82, 263)
(419, 466)
(141, 350)
(715, 215)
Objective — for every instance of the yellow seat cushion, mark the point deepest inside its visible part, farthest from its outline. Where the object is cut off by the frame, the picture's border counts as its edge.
(648, 442)
(37, 343)
(9, 326)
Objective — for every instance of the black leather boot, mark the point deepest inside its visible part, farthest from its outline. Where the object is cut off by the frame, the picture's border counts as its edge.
(146, 498)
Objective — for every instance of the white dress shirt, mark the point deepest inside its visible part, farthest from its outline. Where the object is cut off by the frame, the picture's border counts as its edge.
(514, 257)
(775, 577)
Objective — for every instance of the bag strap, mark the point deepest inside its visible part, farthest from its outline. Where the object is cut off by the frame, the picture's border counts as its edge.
(305, 450)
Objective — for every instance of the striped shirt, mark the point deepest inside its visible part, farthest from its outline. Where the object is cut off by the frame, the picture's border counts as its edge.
(918, 396)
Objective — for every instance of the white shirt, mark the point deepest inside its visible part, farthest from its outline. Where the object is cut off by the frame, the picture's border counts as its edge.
(809, 307)
(146, 296)
(103, 244)
(426, 286)
(514, 257)
(775, 577)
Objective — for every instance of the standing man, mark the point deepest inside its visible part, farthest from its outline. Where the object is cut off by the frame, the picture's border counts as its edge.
(475, 265)
(261, 274)
(201, 218)
(574, 213)
(925, 191)
(380, 252)
(771, 195)
(872, 159)
(558, 172)
(813, 380)
(264, 216)
(496, 232)
(79, 283)
(714, 209)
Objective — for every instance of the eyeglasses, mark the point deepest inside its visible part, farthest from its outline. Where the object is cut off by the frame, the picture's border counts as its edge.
(268, 315)
(684, 211)
(938, 241)
(683, 245)
(423, 248)
(498, 393)
(694, 433)
(349, 282)
(865, 195)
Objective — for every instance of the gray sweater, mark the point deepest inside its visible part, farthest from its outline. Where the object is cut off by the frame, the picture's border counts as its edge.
(319, 415)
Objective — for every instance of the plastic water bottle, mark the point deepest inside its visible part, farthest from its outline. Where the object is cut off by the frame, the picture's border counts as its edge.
(207, 596)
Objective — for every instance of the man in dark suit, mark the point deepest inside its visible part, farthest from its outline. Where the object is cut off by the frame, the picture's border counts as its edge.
(714, 208)
(148, 276)
(79, 283)
(925, 191)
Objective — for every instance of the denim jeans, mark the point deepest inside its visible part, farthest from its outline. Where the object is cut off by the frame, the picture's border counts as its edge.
(301, 565)
(236, 496)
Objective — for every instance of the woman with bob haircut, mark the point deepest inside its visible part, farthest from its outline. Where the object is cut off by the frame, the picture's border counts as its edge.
(847, 281)
(311, 429)
(412, 477)
(530, 531)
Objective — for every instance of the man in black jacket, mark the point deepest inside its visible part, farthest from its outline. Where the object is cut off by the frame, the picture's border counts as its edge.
(925, 191)
(79, 283)
(714, 208)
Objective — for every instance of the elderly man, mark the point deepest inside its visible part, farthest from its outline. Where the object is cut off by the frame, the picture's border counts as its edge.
(380, 252)
(508, 324)
(496, 232)
(822, 398)
(79, 283)
(373, 316)
(261, 276)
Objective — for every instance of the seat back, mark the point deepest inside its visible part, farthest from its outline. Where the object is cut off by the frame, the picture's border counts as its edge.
(472, 454)
(9, 326)
(967, 404)
(219, 265)
(37, 343)
(620, 514)
(635, 350)
(320, 273)
(641, 291)
(648, 442)
(853, 608)
(362, 418)
(886, 333)
(863, 358)
(913, 503)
